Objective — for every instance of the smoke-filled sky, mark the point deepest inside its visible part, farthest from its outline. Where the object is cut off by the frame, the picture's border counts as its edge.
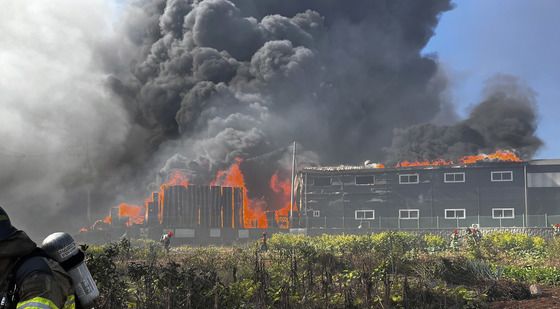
(479, 38)
(103, 98)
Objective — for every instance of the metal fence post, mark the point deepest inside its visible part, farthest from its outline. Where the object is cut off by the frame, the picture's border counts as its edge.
(545, 220)
(437, 222)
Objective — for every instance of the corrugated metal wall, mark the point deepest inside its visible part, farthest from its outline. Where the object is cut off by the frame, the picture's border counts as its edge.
(200, 207)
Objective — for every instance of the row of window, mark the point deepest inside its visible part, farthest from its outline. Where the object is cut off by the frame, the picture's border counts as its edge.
(499, 176)
(408, 214)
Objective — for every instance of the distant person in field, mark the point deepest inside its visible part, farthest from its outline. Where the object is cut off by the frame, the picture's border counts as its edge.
(166, 240)
(264, 245)
(474, 233)
(455, 240)
(28, 277)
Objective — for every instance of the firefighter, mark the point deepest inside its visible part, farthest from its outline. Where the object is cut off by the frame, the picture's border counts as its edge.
(264, 245)
(166, 240)
(455, 240)
(474, 233)
(556, 228)
(28, 278)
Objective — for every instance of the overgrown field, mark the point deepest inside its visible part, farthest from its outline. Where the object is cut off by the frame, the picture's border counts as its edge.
(385, 270)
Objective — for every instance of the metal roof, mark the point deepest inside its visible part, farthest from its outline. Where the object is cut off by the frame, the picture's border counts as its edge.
(545, 162)
(362, 168)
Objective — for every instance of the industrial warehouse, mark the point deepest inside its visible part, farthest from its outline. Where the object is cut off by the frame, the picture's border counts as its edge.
(487, 193)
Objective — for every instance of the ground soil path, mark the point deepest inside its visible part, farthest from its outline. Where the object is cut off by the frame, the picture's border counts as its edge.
(549, 299)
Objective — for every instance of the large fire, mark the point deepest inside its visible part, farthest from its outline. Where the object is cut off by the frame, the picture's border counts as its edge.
(175, 178)
(282, 188)
(500, 155)
(253, 210)
(134, 213)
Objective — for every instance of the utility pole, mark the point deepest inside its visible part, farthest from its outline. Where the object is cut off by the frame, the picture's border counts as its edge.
(89, 175)
(292, 187)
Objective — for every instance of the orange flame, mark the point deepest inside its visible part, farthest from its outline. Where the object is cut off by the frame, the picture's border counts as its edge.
(175, 178)
(134, 213)
(500, 156)
(283, 188)
(252, 209)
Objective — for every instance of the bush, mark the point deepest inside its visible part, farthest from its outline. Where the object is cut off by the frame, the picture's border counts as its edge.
(389, 269)
(533, 274)
(515, 244)
(434, 243)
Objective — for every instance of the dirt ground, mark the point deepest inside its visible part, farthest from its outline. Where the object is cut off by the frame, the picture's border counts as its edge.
(549, 299)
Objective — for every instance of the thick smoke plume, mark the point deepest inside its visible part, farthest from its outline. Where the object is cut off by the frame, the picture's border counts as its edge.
(195, 84)
(62, 131)
(505, 119)
(223, 79)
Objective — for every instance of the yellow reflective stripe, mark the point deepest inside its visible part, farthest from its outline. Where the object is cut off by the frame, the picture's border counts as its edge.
(37, 303)
(70, 303)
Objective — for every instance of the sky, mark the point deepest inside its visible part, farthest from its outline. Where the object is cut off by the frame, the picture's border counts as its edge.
(480, 38)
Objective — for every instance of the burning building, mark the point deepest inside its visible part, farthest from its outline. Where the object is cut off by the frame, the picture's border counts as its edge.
(196, 206)
(496, 190)
(491, 191)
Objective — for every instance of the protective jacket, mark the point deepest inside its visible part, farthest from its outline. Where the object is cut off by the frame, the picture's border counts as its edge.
(41, 282)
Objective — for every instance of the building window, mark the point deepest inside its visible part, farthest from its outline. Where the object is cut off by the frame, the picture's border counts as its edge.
(364, 214)
(454, 177)
(503, 213)
(316, 213)
(502, 176)
(455, 214)
(310, 181)
(365, 180)
(322, 181)
(406, 214)
(409, 179)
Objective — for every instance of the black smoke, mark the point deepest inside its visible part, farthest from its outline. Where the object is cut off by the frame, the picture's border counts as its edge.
(505, 119)
(246, 77)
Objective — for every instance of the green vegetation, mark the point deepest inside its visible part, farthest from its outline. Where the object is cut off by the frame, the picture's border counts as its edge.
(384, 270)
